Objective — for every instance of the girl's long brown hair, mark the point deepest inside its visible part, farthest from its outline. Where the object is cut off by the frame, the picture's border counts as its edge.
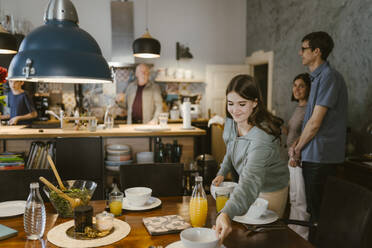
(246, 87)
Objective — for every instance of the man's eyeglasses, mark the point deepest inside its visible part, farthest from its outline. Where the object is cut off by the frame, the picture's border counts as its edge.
(304, 48)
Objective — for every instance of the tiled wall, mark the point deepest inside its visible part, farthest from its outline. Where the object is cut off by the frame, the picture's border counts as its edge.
(98, 96)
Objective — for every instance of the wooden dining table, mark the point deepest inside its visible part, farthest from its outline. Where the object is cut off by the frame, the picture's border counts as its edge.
(139, 237)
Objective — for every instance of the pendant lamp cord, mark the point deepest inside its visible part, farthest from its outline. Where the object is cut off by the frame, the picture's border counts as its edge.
(147, 9)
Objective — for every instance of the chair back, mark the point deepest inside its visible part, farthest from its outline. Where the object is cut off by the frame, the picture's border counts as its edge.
(163, 179)
(81, 158)
(15, 184)
(345, 216)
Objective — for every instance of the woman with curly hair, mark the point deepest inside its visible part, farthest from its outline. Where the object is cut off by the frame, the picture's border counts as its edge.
(252, 137)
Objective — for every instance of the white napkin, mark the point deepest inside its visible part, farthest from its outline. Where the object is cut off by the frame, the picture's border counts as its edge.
(216, 120)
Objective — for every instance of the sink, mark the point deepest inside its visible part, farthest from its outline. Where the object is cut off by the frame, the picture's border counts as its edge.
(43, 125)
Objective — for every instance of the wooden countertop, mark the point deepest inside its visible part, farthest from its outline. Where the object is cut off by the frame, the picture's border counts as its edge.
(121, 131)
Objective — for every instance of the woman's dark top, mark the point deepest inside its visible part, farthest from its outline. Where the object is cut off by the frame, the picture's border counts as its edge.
(20, 104)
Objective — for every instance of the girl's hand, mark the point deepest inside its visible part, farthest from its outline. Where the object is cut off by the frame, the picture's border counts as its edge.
(223, 227)
(218, 180)
(14, 120)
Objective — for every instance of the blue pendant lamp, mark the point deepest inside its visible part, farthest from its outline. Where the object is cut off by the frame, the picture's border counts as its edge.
(59, 51)
(146, 46)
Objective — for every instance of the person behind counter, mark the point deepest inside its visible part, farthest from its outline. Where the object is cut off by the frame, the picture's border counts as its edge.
(252, 137)
(22, 109)
(143, 98)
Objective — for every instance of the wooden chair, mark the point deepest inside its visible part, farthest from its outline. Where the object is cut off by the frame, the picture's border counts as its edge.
(345, 216)
(81, 158)
(163, 179)
(15, 184)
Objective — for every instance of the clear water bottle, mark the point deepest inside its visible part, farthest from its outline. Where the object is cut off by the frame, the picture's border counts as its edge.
(35, 217)
(108, 119)
(198, 208)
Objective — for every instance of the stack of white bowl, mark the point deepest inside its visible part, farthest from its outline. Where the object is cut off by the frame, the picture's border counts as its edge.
(116, 155)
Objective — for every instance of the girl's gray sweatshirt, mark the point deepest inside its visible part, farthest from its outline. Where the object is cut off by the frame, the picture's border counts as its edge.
(255, 157)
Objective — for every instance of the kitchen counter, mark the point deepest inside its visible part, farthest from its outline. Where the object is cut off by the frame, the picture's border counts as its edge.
(10, 132)
(19, 138)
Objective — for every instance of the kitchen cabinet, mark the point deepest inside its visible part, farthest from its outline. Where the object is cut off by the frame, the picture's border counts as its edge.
(72, 146)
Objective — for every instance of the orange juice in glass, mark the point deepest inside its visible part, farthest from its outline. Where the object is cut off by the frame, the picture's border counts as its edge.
(221, 199)
(116, 203)
(198, 207)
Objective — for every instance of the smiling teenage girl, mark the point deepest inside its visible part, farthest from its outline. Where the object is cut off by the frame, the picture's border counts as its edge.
(252, 136)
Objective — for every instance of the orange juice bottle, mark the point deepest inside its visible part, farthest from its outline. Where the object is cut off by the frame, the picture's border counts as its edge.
(198, 204)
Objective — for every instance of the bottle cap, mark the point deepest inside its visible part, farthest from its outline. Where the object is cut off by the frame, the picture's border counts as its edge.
(34, 185)
(199, 179)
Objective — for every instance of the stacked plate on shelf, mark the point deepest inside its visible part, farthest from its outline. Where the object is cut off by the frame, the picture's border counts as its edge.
(116, 155)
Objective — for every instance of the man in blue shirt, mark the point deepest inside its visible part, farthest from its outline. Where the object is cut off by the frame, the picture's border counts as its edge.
(321, 145)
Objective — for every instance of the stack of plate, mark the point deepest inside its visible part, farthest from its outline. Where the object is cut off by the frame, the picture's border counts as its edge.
(117, 155)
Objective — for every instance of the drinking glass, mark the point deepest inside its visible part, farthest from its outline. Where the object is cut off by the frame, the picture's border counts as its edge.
(163, 119)
(221, 199)
(116, 203)
(109, 122)
(92, 125)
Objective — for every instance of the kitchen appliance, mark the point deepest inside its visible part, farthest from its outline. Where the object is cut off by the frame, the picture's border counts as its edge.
(41, 105)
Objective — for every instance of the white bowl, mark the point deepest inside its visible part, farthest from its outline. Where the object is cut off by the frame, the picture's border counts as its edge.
(145, 157)
(223, 187)
(118, 153)
(118, 158)
(118, 147)
(199, 237)
(138, 196)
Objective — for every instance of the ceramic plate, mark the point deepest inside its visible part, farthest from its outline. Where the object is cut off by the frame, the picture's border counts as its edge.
(178, 244)
(12, 208)
(117, 163)
(188, 128)
(368, 163)
(153, 202)
(151, 128)
(268, 217)
(118, 147)
(58, 236)
(112, 168)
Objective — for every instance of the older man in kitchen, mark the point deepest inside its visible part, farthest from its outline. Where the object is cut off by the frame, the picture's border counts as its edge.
(143, 100)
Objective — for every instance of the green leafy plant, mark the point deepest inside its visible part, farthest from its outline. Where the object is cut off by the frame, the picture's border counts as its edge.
(3, 75)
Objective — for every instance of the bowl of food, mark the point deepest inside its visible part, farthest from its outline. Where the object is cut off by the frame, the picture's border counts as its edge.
(199, 237)
(81, 189)
(223, 187)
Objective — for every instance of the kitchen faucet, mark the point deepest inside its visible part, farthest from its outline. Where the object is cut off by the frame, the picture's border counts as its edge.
(60, 117)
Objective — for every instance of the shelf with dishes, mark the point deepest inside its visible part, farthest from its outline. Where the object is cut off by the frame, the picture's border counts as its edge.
(179, 80)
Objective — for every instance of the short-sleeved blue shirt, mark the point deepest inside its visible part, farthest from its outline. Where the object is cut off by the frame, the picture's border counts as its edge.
(328, 89)
(20, 104)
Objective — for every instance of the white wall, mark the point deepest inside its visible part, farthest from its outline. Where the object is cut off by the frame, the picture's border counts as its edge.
(94, 17)
(214, 30)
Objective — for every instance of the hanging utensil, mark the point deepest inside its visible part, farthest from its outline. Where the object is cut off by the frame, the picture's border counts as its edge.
(74, 202)
(50, 160)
